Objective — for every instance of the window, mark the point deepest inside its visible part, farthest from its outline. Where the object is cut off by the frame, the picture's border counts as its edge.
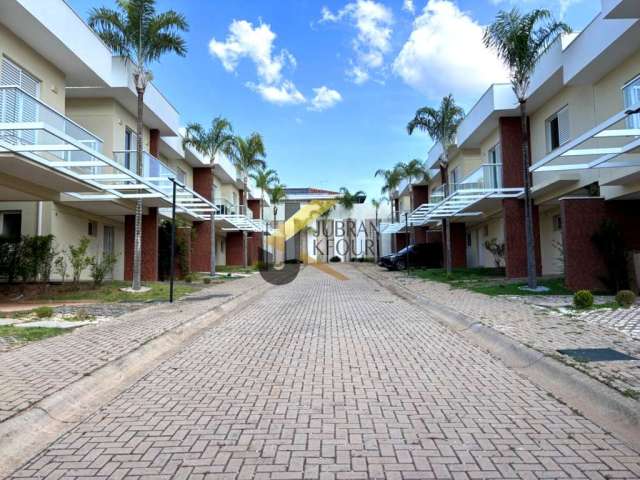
(557, 223)
(12, 74)
(454, 179)
(495, 154)
(92, 229)
(182, 176)
(631, 93)
(11, 225)
(557, 129)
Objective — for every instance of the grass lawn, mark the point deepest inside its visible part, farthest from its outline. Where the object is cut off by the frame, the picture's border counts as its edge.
(30, 334)
(233, 269)
(489, 281)
(110, 292)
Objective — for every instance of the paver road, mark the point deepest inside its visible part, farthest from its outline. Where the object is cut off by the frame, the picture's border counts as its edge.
(334, 379)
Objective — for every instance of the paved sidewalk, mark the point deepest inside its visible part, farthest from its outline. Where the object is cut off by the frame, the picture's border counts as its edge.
(328, 379)
(542, 329)
(39, 369)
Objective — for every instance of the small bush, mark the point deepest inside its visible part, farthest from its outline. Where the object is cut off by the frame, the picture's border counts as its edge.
(583, 299)
(625, 298)
(100, 267)
(335, 259)
(206, 280)
(188, 278)
(43, 312)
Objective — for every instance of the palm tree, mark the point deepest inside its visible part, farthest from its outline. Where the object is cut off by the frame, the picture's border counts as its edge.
(520, 40)
(247, 157)
(277, 195)
(413, 170)
(264, 178)
(217, 140)
(347, 200)
(136, 32)
(441, 125)
(392, 178)
(377, 203)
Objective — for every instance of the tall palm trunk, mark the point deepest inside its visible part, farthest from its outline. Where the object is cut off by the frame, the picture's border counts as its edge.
(137, 238)
(393, 220)
(245, 235)
(212, 268)
(528, 208)
(264, 236)
(412, 229)
(446, 223)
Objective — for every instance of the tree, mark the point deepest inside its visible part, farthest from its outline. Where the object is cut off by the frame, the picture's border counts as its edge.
(413, 170)
(520, 40)
(347, 200)
(377, 203)
(217, 140)
(392, 178)
(136, 32)
(247, 155)
(441, 125)
(277, 195)
(264, 178)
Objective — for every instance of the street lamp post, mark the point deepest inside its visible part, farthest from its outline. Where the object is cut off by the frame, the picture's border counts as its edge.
(406, 227)
(172, 267)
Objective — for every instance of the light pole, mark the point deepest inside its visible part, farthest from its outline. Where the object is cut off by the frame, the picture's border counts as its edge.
(172, 266)
(407, 236)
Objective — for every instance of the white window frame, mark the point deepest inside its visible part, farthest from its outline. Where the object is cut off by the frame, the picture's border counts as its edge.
(632, 121)
(562, 113)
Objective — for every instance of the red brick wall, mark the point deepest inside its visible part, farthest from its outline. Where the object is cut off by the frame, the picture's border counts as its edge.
(458, 245)
(154, 142)
(512, 177)
(581, 218)
(583, 264)
(421, 234)
(149, 265)
(202, 180)
(401, 241)
(201, 247)
(183, 234)
(254, 206)
(234, 248)
(420, 195)
(516, 240)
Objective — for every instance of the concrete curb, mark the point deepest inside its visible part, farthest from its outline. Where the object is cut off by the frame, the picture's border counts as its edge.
(594, 400)
(27, 433)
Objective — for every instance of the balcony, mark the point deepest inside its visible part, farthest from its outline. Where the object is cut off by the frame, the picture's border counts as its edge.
(236, 217)
(159, 175)
(615, 143)
(478, 193)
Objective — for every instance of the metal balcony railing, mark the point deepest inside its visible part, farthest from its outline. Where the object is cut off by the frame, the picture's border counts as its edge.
(238, 216)
(614, 143)
(483, 183)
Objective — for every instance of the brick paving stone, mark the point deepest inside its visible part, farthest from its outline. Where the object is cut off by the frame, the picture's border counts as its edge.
(39, 369)
(329, 379)
(544, 329)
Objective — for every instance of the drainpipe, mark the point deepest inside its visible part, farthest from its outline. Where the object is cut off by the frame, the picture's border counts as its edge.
(39, 208)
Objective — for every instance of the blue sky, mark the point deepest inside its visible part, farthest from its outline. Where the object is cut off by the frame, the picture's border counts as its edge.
(331, 84)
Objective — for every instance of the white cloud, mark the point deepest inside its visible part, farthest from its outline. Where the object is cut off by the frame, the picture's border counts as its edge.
(409, 6)
(324, 99)
(373, 22)
(257, 44)
(445, 53)
(285, 93)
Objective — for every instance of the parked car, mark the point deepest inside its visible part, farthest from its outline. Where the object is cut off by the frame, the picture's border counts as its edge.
(423, 255)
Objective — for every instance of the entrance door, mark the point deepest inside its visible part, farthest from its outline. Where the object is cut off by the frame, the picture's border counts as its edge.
(109, 246)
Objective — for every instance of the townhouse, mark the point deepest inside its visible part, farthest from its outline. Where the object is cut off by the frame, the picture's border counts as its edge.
(585, 165)
(67, 150)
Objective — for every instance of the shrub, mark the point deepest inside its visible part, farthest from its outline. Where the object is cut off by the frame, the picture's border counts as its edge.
(206, 280)
(78, 258)
(625, 298)
(100, 267)
(335, 259)
(496, 249)
(60, 267)
(43, 312)
(583, 299)
(188, 278)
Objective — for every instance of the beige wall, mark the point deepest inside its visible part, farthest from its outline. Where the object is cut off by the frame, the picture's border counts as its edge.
(550, 243)
(107, 119)
(53, 80)
(477, 254)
